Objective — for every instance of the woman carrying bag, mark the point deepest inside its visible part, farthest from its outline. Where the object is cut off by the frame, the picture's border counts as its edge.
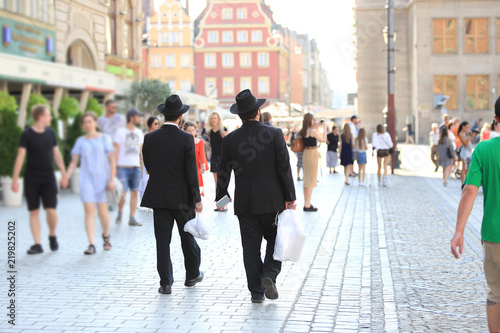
(97, 172)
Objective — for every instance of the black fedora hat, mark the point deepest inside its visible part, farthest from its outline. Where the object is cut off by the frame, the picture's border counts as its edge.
(173, 106)
(246, 102)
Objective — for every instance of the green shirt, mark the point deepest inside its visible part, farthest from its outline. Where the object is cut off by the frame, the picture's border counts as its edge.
(485, 170)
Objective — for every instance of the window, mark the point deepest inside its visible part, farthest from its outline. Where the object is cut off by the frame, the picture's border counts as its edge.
(477, 92)
(185, 85)
(263, 59)
(228, 60)
(498, 38)
(227, 37)
(111, 29)
(257, 36)
(185, 60)
(227, 13)
(263, 84)
(245, 82)
(476, 35)
(175, 37)
(164, 37)
(447, 85)
(170, 61)
(128, 30)
(444, 36)
(210, 60)
(245, 60)
(155, 61)
(242, 36)
(241, 13)
(171, 84)
(213, 36)
(228, 85)
(210, 87)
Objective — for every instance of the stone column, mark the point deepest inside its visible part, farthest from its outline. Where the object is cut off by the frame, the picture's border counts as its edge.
(21, 120)
(83, 100)
(58, 93)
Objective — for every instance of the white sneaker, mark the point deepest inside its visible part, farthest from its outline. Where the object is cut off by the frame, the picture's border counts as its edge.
(384, 181)
(362, 184)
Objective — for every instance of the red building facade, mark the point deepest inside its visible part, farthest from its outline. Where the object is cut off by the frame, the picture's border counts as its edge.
(239, 46)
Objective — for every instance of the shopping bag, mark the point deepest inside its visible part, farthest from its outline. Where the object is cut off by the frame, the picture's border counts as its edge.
(290, 237)
(197, 228)
(115, 194)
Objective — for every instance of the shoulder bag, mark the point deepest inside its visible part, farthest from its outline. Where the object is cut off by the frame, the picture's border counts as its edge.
(298, 145)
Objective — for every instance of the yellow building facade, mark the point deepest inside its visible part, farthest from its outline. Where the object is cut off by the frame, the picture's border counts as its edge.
(169, 43)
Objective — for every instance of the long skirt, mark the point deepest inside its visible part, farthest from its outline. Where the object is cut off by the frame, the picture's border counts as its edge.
(332, 159)
(310, 161)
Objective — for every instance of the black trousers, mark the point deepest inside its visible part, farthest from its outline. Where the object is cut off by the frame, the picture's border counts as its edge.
(253, 228)
(164, 223)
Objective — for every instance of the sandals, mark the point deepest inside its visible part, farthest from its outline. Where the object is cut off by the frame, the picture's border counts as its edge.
(90, 249)
(107, 244)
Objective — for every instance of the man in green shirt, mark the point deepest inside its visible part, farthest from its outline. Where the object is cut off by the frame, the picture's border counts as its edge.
(484, 170)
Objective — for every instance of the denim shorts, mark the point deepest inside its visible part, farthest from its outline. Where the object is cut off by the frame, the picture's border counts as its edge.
(130, 178)
(362, 158)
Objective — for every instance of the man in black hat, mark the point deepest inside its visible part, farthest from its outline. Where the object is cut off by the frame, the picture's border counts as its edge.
(172, 192)
(264, 187)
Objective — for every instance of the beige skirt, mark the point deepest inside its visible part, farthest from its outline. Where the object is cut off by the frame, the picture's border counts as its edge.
(310, 164)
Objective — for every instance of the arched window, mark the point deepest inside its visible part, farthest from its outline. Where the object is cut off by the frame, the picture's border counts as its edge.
(111, 27)
(79, 55)
(128, 29)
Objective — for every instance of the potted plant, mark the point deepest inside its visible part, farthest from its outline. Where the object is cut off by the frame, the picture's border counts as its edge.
(9, 137)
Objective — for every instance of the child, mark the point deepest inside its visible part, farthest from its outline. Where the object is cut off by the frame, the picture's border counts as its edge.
(361, 145)
(201, 159)
(332, 158)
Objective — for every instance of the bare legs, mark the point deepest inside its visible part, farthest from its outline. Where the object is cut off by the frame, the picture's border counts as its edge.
(35, 225)
(446, 173)
(385, 163)
(362, 173)
(493, 315)
(463, 172)
(134, 199)
(298, 173)
(347, 173)
(102, 210)
(307, 196)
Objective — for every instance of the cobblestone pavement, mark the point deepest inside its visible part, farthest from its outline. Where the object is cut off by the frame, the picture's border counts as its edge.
(376, 259)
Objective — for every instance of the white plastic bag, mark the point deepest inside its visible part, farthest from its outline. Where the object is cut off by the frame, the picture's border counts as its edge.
(197, 228)
(290, 237)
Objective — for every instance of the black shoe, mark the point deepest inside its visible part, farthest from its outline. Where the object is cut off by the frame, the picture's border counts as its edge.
(54, 246)
(310, 209)
(35, 249)
(436, 170)
(165, 290)
(192, 282)
(270, 286)
(258, 298)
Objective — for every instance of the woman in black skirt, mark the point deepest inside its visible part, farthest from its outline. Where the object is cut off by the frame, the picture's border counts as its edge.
(216, 131)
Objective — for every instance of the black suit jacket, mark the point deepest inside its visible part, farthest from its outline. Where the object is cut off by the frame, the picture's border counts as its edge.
(263, 179)
(170, 159)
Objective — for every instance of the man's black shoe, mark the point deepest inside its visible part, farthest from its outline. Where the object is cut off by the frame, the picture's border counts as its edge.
(35, 249)
(165, 289)
(258, 298)
(54, 246)
(192, 282)
(270, 286)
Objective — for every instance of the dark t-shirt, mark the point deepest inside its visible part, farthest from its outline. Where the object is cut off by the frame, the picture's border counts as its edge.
(39, 150)
(334, 142)
(216, 142)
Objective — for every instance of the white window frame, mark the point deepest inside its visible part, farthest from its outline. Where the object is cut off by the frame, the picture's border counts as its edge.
(246, 79)
(213, 36)
(259, 34)
(263, 62)
(240, 33)
(228, 34)
(170, 60)
(228, 90)
(156, 61)
(227, 60)
(213, 57)
(242, 59)
(265, 80)
(241, 13)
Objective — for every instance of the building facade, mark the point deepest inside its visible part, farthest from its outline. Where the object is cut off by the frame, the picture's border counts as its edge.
(444, 50)
(170, 53)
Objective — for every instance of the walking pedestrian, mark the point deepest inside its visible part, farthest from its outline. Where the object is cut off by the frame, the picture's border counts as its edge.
(495, 129)
(382, 143)
(446, 154)
(310, 159)
(39, 144)
(153, 124)
(434, 136)
(96, 154)
(409, 134)
(332, 157)
(346, 152)
(294, 135)
(355, 125)
(111, 121)
(465, 137)
(361, 146)
(446, 121)
(263, 187)
(485, 131)
(483, 171)
(201, 160)
(216, 131)
(268, 119)
(128, 144)
(172, 192)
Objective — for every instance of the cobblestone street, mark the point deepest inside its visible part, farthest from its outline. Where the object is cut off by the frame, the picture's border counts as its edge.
(376, 259)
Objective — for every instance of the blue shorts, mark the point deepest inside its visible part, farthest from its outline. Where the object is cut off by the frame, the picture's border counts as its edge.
(130, 178)
(362, 158)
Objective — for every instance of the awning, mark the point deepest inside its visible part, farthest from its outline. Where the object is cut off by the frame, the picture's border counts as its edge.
(197, 101)
(321, 112)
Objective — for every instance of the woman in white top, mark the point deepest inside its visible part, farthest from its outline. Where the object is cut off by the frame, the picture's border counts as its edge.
(360, 147)
(465, 137)
(382, 143)
(452, 137)
(495, 130)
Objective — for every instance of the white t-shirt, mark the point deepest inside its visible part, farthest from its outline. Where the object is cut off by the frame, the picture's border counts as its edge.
(381, 141)
(494, 134)
(360, 149)
(109, 126)
(129, 149)
(452, 138)
(354, 130)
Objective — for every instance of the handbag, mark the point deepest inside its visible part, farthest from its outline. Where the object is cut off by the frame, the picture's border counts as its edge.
(197, 228)
(290, 237)
(115, 194)
(450, 152)
(298, 145)
(391, 150)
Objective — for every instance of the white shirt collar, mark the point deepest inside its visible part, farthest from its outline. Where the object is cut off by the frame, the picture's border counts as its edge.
(171, 124)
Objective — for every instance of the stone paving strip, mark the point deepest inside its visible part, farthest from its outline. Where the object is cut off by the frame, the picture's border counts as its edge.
(375, 260)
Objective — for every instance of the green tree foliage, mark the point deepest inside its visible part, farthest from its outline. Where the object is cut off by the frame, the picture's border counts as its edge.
(94, 106)
(68, 108)
(74, 131)
(9, 133)
(148, 94)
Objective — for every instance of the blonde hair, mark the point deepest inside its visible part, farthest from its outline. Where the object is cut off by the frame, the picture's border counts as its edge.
(219, 122)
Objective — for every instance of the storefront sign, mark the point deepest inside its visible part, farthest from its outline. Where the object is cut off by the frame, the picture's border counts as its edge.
(27, 40)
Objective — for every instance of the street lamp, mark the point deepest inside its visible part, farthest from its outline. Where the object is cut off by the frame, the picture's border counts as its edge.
(390, 39)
